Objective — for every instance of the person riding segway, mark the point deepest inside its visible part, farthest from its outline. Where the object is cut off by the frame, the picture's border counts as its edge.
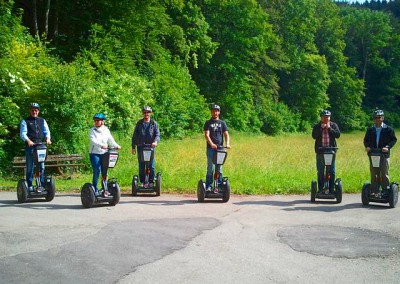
(378, 141)
(33, 130)
(145, 138)
(216, 186)
(325, 134)
(103, 155)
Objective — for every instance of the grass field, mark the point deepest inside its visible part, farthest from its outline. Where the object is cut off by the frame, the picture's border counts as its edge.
(256, 164)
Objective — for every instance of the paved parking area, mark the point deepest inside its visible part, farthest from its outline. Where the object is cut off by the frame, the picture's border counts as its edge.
(174, 239)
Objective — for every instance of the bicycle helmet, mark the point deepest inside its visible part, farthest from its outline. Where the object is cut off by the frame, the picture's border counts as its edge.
(147, 109)
(100, 116)
(217, 107)
(378, 112)
(35, 105)
(325, 112)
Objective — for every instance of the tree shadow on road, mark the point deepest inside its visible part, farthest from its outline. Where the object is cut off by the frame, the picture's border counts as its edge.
(321, 206)
(37, 204)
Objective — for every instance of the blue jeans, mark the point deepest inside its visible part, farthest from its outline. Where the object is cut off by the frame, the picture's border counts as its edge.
(152, 165)
(210, 168)
(98, 166)
(30, 165)
(321, 173)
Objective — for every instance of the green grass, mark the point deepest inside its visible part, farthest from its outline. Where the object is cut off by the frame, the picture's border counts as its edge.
(256, 164)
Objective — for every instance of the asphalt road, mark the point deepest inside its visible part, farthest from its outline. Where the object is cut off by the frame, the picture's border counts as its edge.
(174, 239)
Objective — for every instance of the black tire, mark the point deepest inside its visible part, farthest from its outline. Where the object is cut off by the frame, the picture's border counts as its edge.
(134, 185)
(115, 191)
(22, 191)
(393, 195)
(158, 184)
(366, 190)
(313, 190)
(201, 191)
(50, 188)
(87, 195)
(338, 191)
(227, 191)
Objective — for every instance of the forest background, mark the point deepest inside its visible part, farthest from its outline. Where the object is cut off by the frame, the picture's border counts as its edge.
(272, 65)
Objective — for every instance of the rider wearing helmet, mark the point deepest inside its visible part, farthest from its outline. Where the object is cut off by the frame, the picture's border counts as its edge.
(146, 132)
(33, 129)
(100, 138)
(383, 137)
(215, 130)
(325, 134)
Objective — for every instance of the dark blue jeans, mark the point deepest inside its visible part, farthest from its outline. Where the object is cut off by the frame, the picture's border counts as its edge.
(30, 166)
(210, 168)
(97, 165)
(152, 165)
(321, 173)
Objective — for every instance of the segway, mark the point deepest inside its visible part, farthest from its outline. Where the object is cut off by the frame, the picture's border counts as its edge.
(219, 190)
(39, 190)
(329, 154)
(377, 192)
(147, 187)
(110, 191)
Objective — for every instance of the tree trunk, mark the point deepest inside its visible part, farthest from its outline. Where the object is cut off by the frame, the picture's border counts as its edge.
(46, 20)
(35, 28)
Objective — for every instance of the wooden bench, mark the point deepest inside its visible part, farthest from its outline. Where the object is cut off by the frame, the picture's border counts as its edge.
(71, 161)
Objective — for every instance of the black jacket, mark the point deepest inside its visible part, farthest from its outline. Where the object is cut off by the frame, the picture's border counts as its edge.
(142, 135)
(333, 132)
(387, 138)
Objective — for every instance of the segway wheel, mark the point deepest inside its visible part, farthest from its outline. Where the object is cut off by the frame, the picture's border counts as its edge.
(158, 184)
(50, 188)
(87, 195)
(393, 195)
(114, 190)
(366, 190)
(338, 191)
(134, 185)
(313, 190)
(227, 191)
(201, 191)
(22, 191)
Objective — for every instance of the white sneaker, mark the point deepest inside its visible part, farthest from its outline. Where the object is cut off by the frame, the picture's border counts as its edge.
(30, 188)
(209, 188)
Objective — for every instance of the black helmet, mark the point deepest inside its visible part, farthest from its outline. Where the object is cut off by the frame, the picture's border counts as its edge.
(147, 109)
(378, 112)
(217, 107)
(325, 112)
(100, 116)
(35, 105)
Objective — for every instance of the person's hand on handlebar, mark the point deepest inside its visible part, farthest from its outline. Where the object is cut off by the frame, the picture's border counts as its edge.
(154, 144)
(367, 149)
(385, 149)
(48, 141)
(134, 151)
(228, 146)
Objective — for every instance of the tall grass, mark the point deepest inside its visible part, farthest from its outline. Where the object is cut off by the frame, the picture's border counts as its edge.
(256, 164)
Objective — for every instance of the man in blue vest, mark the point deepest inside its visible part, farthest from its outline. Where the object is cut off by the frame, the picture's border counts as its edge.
(33, 129)
(146, 133)
(383, 137)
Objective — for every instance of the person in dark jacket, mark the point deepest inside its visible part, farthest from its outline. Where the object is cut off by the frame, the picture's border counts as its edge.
(146, 133)
(33, 129)
(383, 137)
(325, 134)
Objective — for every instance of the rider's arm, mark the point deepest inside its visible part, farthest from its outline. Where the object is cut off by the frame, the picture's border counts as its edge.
(334, 130)
(46, 132)
(208, 138)
(317, 131)
(156, 134)
(23, 133)
(226, 135)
